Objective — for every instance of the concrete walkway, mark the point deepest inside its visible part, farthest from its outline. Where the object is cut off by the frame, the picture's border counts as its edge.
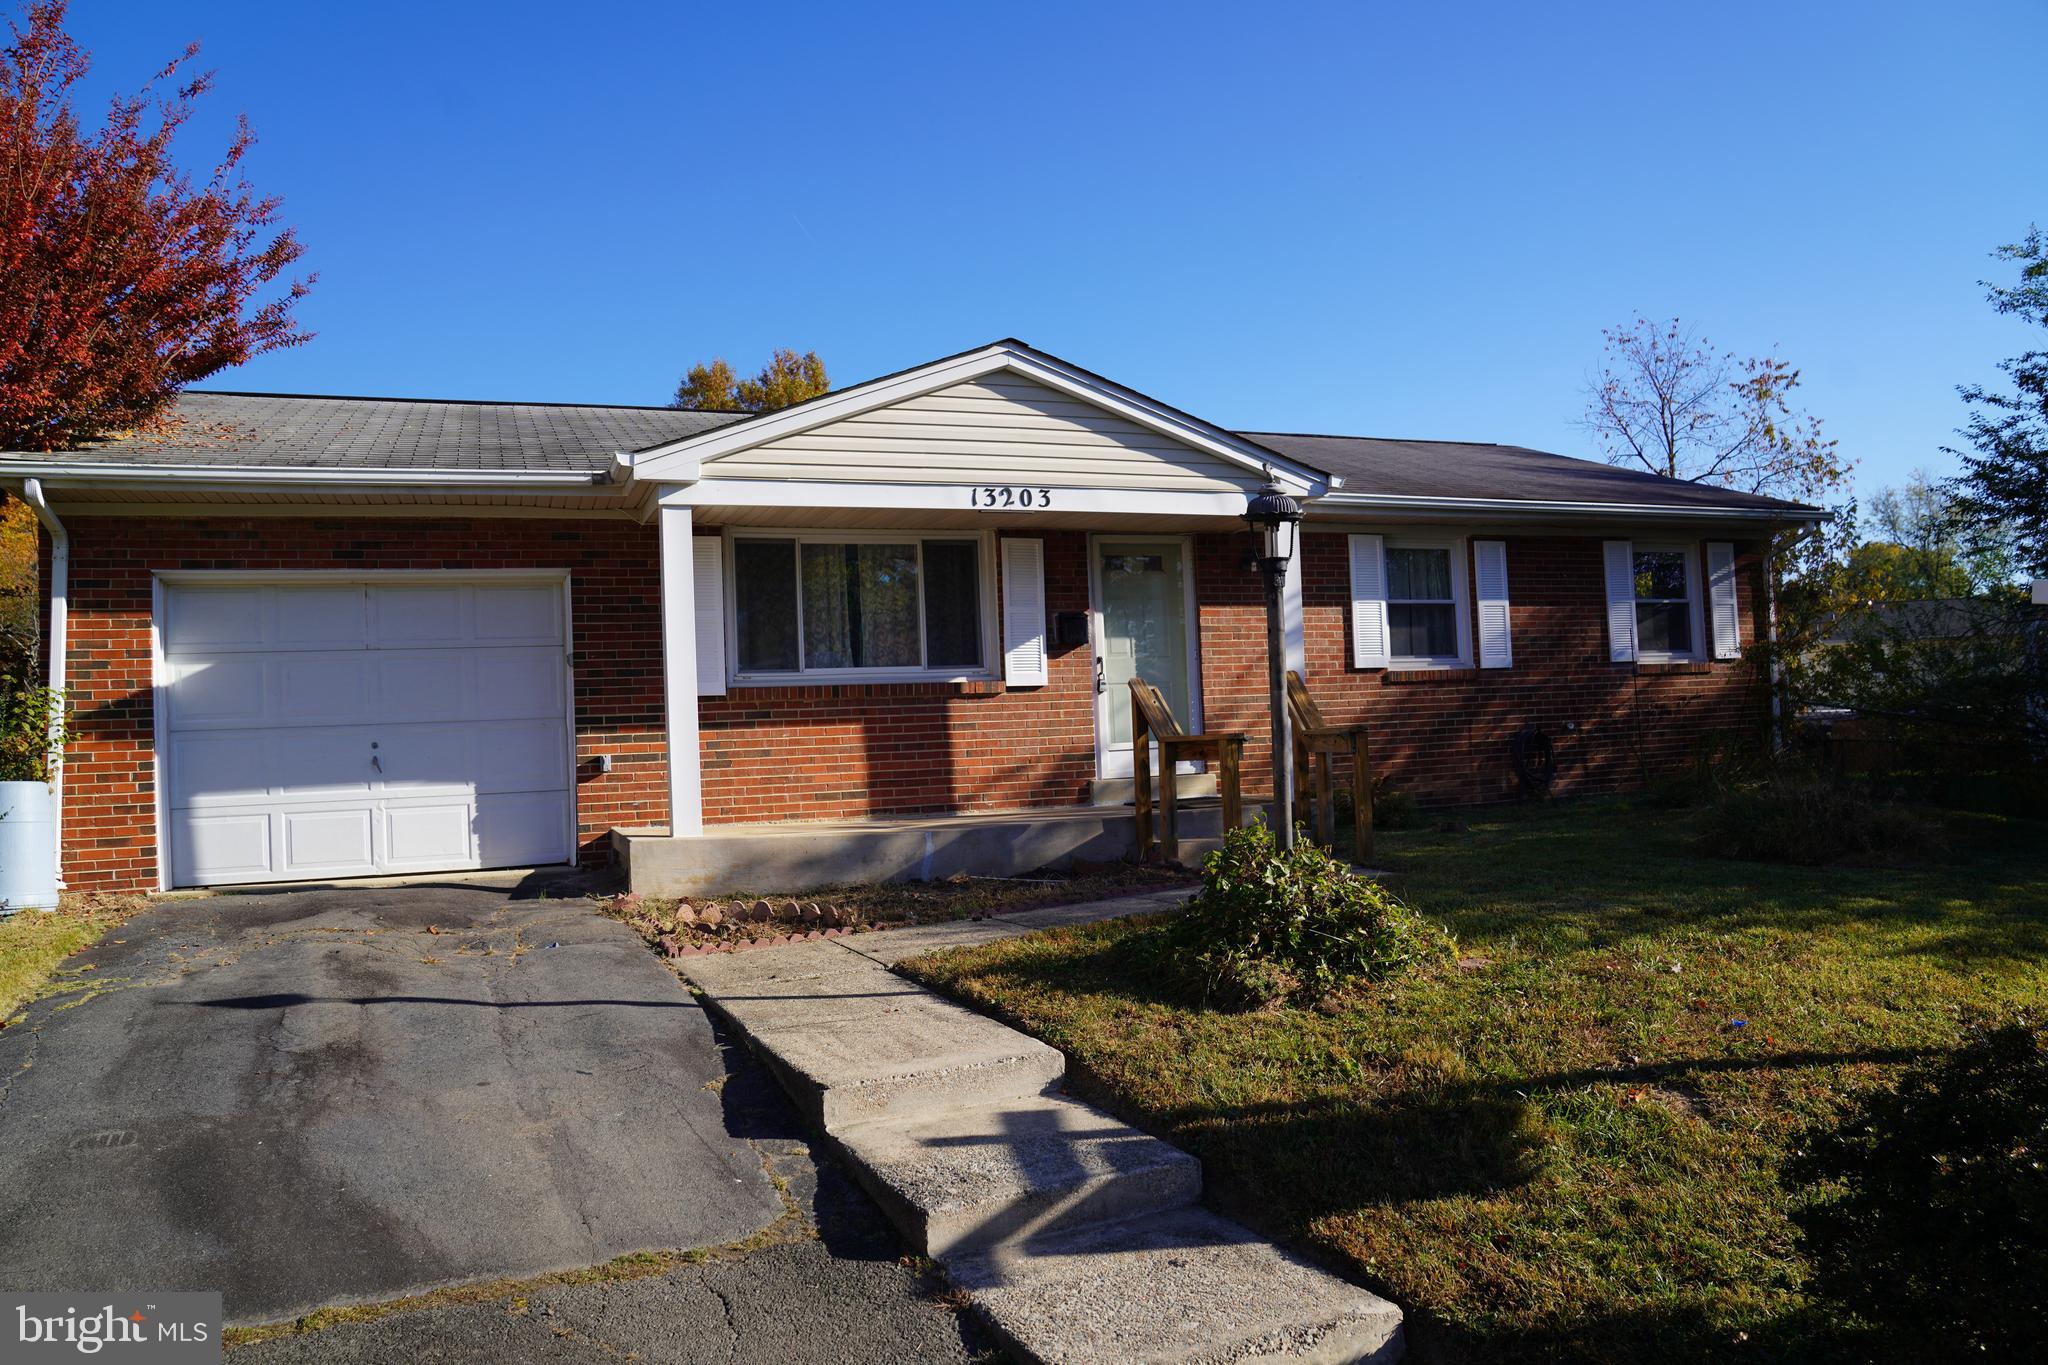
(1079, 1238)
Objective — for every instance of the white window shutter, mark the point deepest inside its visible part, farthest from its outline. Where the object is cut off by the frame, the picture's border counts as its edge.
(708, 580)
(1621, 601)
(1369, 601)
(1024, 612)
(1721, 604)
(1496, 646)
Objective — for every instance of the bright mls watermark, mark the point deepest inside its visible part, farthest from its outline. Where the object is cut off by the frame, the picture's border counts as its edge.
(162, 1329)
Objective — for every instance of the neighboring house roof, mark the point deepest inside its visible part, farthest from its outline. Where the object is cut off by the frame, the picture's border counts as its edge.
(1380, 467)
(1926, 618)
(276, 430)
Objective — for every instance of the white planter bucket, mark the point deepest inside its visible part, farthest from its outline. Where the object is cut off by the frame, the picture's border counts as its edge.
(28, 855)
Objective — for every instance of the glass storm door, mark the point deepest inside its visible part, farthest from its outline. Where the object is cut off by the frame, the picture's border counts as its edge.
(1141, 630)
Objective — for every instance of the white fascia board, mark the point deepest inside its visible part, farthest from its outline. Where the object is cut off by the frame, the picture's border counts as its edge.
(658, 462)
(1364, 506)
(942, 497)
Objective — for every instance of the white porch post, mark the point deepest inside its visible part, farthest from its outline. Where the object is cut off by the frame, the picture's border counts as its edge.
(679, 672)
(1293, 634)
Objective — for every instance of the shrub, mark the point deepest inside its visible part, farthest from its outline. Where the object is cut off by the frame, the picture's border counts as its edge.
(31, 726)
(1269, 924)
(1926, 1207)
(1796, 817)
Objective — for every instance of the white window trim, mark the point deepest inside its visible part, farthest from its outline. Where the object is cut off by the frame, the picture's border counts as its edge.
(990, 646)
(1461, 601)
(1694, 603)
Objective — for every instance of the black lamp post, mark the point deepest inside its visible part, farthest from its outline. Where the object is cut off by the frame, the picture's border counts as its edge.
(1275, 519)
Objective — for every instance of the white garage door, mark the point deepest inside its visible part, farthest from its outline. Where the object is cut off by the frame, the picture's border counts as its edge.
(337, 729)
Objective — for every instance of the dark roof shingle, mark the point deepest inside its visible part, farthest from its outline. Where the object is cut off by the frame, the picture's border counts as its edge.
(1462, 469)
(303, 431)
(314, 432)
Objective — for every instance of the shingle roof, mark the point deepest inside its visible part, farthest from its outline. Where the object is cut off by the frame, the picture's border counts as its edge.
(1460, 469)
(317, 432)
(302, 431)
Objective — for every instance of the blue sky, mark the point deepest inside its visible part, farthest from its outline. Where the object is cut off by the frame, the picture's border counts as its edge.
(1382, 219)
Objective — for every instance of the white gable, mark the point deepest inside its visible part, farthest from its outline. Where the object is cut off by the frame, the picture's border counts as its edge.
(999, 428)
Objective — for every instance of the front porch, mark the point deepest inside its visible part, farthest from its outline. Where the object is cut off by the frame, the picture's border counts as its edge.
(797, 856)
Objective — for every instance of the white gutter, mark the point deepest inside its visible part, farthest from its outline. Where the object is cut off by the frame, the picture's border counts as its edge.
(1397, 502)
(71, 474)
(58, 645)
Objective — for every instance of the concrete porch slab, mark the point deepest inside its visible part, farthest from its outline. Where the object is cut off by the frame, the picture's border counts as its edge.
(801, 856)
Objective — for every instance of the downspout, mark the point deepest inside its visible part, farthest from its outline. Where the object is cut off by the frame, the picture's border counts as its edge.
(56, 642)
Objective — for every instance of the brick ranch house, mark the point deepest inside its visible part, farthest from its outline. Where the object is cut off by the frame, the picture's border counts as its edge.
(311, 638)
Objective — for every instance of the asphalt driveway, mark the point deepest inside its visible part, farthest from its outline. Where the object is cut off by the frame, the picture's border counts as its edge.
(350, 1095)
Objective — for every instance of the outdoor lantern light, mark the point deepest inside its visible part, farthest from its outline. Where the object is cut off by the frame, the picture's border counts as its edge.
(1273, 517)
(1275, 520)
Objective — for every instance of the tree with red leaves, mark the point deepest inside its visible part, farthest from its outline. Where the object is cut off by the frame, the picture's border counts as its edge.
(122, 279)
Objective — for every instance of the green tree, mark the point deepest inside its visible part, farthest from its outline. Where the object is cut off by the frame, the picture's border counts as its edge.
(1915, 552)
(1886, 571)
(787, 378)
(18, 605)
(2001, 497)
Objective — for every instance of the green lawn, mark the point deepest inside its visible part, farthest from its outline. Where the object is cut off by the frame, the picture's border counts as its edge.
(1569, 1146)
(34, 943)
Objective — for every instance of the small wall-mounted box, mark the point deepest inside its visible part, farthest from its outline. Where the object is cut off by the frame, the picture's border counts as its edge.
(1069, 628)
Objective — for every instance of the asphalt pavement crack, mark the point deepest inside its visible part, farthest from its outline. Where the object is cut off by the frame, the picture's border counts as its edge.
(732, 1327)
(35, 1045)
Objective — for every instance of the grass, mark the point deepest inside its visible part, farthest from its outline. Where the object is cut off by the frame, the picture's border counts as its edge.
(1568, 1147)
(33, 943)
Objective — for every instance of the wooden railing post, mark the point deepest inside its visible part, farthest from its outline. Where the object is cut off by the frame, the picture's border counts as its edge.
(1229, 763)
(1169, 805)
(1361, 797)
(1326, 806)
(1141, 775)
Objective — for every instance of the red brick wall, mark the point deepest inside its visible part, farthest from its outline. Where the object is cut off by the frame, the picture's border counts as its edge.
(824, 752)
(827, 751)
(109, 779)
(1443, 735)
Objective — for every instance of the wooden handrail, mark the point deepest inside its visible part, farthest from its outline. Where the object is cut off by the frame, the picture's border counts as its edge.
(1153, 720)
(1317, 744)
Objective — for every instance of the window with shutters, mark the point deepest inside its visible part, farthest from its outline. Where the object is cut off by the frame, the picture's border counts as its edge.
(866, 605)
(1427, 609)
(1667, 604)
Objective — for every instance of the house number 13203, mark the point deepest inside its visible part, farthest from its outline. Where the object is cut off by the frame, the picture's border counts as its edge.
(998, 496)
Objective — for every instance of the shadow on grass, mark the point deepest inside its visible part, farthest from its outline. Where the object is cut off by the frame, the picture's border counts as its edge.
(1669, 1334)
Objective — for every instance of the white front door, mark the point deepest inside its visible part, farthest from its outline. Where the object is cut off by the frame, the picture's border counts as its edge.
(1144, 626)
(324, 728)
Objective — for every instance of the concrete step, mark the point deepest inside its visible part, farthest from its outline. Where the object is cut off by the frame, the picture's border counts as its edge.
(967, 1179)
(1179, 1286)
(853, 1042)
(1122, 791)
